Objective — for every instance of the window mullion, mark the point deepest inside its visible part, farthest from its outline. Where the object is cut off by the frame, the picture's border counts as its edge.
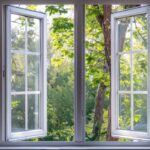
(79, 72)
(26, 80)
(132, 100)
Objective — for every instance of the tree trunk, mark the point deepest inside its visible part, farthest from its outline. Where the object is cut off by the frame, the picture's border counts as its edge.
(106, 26)
(98, 117)
(105, 22)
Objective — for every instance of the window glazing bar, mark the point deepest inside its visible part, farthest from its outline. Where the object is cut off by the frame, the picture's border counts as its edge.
(132, 100)
(26, 80)
(132, 52)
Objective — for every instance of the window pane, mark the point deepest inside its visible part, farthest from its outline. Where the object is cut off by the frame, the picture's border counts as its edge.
(140, 32)
(125, 111)
(18, 113)
(33, 34)
(124, 34)
(125, 72)
(33, 111)
(25, 112)
(33, 72)
(140, 112)
(18, 72)
(17, 32)
(140, 71)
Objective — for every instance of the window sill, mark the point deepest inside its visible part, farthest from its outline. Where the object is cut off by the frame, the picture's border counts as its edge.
(75, 145)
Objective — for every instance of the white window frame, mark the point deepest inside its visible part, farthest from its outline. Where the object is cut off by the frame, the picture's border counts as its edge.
(42, 131)
(115, 77)
(79, 72)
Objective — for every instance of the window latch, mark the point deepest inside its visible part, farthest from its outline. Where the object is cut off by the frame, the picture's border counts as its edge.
(4, 73)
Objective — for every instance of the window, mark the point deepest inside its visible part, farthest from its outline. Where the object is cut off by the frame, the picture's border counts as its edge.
(130, 96)
(46, 81)
(26, 74)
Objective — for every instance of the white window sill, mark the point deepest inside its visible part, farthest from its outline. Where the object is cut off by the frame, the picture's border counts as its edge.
(74, 147)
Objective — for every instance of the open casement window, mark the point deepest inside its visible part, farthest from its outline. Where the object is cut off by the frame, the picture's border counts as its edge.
(130, 73)
(26, 74)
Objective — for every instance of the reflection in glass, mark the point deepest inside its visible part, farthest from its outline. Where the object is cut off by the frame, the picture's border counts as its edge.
(124, 111)
(33, 34)
(18, 72)
(33, 72)
(140, 71)
(17, 32)
(124, 36)
(140, 32)
(124, 73)
(33, 112)
(18, 113)
(140, 112)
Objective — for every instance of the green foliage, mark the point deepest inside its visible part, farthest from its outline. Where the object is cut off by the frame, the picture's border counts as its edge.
(32, 7)
(94, 10)
(60, 79)
(62, 24)
(55, 9)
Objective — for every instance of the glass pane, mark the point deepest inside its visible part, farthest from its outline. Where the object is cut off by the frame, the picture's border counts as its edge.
(140, 112)
(124, 73)
(18, 72)
(33, 72)
(125, 111)
(33, 111)
(18, 113)
(17, 32)
(140, 32)
(124, 34)
(140, 71)
(33, 34)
